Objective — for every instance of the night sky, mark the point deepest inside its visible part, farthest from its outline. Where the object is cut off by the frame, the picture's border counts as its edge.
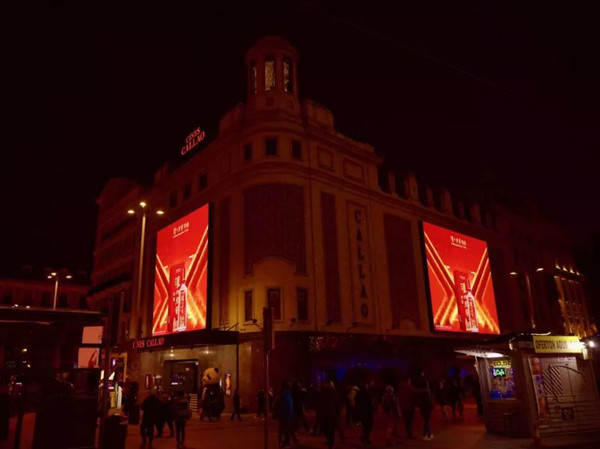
(474, 96)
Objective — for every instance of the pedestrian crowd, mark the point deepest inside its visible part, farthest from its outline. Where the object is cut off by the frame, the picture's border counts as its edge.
(288, 405)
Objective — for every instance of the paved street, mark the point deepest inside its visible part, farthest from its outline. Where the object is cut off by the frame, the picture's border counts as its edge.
(464, 433)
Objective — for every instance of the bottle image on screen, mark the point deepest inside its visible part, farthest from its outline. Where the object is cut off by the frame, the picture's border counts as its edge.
(177, 318)
(465, 302)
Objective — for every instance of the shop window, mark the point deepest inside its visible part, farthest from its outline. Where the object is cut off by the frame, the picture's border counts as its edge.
(269, 73)
(502, 381)
(296, 149)
(248, 152)
(302, 303)
(274, 302)
(271, 147)
(173, 199)
(253, 77)
(202, 181)
(187, 191)
(288, 75)
(248, 313)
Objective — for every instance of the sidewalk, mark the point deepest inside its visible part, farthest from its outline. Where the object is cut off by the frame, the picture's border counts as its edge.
(461, 433)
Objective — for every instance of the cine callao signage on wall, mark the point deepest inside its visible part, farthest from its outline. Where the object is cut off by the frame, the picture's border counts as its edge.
(460, 282)
(193, 140)
(181, 275)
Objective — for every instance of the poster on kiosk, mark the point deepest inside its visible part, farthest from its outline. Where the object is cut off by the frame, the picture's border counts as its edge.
(181, 274)
(461, 292)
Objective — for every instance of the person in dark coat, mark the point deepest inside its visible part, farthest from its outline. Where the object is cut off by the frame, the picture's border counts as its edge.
(261, 411)
(424, 403)
(181, 413)
(406, 401)
(298, 396)
(365, 410)
(151, 410)
(165, 416)
(236, 405)
(328, 413)
(284, 409)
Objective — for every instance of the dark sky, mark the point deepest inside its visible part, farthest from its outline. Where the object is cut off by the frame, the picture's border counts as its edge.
(482, 95)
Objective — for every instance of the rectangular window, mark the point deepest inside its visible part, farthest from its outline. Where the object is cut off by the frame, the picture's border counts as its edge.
(46, 299)
(248, 152)
(296, 149)
(271, 147)
(288, 75)
(187, 191)
(173, 199)
(302, 301)
(269, 73)
(274, 302)
(248, 314)
(7, 298)
(63, 300)
(202, 181)
(253, 77)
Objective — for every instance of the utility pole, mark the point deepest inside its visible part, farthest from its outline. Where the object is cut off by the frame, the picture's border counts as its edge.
(269, 345)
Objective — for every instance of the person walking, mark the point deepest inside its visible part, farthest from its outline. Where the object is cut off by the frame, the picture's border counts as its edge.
(165, 416)
(261, 411)
(406, 400)
(236, 405)
(283, 407)
(150, 410)
(298, 396)
(391, 409)
(181, 413)
(425, 404)
(328, 413)
(365, 410)
(351, 405)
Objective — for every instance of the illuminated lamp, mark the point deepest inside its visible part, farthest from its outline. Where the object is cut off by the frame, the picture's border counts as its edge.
(482, 353)
(539, 269)
(131, 212)
(513, 273)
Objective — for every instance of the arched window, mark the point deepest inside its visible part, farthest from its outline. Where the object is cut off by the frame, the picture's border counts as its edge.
(269, 73)
(253, 77)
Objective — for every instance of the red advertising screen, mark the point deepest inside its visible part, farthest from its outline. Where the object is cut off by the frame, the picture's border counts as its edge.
(181, 274)
(460, 282)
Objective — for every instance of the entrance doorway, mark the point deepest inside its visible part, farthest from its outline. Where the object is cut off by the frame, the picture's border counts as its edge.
(182, 375)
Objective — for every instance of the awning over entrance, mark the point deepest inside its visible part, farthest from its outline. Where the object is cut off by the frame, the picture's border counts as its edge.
(183, 339)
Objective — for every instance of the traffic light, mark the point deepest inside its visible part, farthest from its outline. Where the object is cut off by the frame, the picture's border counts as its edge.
(269, 334)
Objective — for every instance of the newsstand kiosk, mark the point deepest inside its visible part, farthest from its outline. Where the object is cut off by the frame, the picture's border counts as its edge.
(538, 385)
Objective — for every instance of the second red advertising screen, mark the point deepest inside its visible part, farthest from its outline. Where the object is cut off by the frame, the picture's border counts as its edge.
(460, 282)
(181, 275)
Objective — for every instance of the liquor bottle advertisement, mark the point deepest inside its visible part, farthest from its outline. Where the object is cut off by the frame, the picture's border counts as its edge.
(181, 274)
(460, 282)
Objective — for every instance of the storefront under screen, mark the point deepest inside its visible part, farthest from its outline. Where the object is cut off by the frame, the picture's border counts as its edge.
(181, 275)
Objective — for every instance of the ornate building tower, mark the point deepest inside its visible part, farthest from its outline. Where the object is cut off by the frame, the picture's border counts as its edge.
(272, 76)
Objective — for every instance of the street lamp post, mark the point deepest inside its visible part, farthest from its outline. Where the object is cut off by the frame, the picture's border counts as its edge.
(138, 298)
(54, 275)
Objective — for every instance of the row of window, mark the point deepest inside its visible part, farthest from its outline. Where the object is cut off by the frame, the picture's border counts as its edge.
(46, 300)
(271, 75)
(187, 190)
(271, 149)
(274, 301)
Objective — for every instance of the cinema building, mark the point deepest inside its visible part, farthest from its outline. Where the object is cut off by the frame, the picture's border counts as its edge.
(364, 270)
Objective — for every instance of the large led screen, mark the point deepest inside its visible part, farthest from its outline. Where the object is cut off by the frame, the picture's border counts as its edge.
(460, 282)
(181, 273)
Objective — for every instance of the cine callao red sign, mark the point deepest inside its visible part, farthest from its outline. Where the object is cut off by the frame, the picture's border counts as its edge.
(181, 274)
(460, 282)
(193, 140)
